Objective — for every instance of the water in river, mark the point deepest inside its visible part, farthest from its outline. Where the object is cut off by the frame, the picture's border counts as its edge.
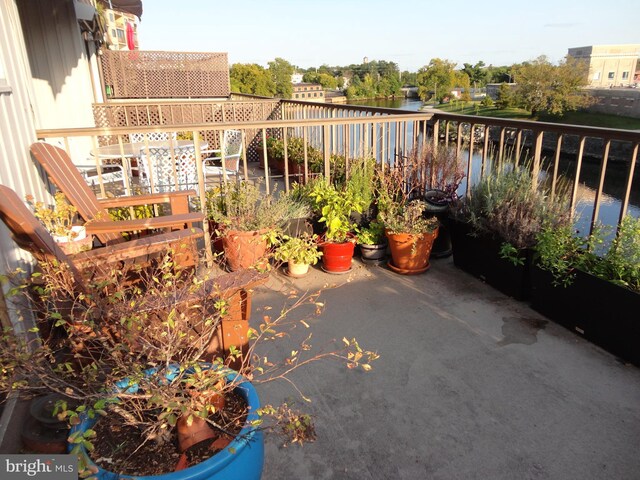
(613, 191)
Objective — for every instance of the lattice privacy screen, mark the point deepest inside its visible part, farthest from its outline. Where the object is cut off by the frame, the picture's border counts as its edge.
(154, 74)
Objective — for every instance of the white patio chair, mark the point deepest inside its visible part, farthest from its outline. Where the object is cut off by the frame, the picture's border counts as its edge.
(164, 170)
(110, 173)
(232, 148)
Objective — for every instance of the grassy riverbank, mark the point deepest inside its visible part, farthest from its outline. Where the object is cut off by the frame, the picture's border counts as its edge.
(571, 118)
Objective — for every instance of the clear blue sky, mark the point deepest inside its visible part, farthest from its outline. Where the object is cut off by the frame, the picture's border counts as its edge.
(408, 32)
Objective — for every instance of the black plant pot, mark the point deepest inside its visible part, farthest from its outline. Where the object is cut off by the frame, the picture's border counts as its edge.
(373, 254)
(601, 311)
(438, 206)
(479, 255)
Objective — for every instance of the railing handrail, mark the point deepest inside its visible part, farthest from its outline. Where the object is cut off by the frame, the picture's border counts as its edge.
(268, 124)
(564, 128)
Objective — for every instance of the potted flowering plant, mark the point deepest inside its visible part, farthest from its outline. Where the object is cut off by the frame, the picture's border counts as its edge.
(247, 222)
(299, 252)
(409, 231)
(59, 221)
(144, 365)
(434, 173)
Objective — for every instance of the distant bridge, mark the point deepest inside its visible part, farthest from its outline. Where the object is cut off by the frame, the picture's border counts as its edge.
(410, 92)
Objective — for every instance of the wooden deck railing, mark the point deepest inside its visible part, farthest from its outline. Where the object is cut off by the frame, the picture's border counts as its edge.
(356, 131)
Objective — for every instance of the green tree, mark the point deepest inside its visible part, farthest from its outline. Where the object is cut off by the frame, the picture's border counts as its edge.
(461, 80)
(477, 73)
(281, 71)
(552, 89)
(506, 97)
(499, 74)
(252, 79)
(409, 79)
(436, 79)
(325, 79)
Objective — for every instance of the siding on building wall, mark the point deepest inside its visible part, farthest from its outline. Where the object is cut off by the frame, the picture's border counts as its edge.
(62, 88)
(17, 128)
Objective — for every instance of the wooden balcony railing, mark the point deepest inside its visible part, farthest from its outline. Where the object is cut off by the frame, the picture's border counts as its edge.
(355, 131)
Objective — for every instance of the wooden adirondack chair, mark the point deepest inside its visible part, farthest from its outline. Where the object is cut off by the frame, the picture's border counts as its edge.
(64, 175)
(30, 235)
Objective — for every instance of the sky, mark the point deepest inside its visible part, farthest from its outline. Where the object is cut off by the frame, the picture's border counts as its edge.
(407, 32)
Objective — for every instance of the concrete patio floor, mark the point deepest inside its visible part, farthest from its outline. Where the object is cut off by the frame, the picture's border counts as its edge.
(470, 384)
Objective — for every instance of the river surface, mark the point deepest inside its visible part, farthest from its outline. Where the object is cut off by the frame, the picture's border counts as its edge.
(614, 186)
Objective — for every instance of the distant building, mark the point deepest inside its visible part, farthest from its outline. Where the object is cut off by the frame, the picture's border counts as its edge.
(493, 88)
(296, 78)
(310, 92)
(609, 65)
(116, 25)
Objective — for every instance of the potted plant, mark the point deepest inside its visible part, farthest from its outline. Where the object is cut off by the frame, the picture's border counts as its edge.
(299, 252)
(373, 243)
(59, 221)
(494, 228)
(434, 173)
(247, 221)
(409, 231)
(334, 207)
(136, 359)
(572, 274)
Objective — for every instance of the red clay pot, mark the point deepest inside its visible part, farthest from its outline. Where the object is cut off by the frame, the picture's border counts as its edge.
(410, 252)
(336, 257)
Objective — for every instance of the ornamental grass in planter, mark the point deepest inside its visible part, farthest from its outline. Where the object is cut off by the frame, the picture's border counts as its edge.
(591, 285)
(137, 359)
(247, 221)
(494, 228)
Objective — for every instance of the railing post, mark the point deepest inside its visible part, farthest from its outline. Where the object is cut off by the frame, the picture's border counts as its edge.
(627, 193)
(202, 195)
(537, 155)
(266, 163)
(576, 180)
(603, 170)
(325, 152)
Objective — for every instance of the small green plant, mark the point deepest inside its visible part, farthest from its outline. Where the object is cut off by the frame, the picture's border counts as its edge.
(335, 207)
(561, 251)
(511, 253)
(300, 250)
(372, 234)
(57, 219)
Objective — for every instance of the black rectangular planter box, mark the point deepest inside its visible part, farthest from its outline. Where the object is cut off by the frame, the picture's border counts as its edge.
(604, 313)
(479, 255)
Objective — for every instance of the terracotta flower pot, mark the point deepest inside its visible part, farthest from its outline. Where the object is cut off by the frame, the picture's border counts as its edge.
(244, 249)
(410, 252)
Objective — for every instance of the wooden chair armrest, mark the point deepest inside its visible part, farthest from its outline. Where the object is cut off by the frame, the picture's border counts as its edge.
(131, 249)
(168, 221)
(133, 200)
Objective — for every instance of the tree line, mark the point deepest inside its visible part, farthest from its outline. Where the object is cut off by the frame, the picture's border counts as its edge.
(538, 85)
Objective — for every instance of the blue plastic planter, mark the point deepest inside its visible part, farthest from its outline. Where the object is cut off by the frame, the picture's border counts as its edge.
(243, 458)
